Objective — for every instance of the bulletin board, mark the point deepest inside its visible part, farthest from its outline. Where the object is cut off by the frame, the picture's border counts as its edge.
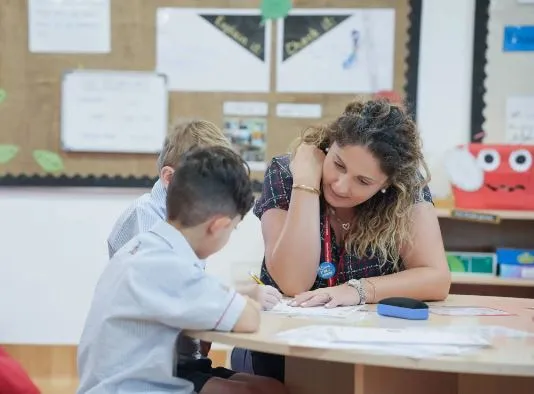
(509, 85)
(31, 83)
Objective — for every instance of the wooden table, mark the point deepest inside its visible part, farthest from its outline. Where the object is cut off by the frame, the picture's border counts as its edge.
(507, 367)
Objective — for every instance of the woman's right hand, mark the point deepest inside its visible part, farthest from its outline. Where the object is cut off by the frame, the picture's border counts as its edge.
(307, 165)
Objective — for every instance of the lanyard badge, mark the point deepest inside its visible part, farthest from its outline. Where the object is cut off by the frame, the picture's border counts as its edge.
(327, 269)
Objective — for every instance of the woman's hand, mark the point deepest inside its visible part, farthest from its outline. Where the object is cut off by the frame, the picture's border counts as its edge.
(330, 297)
(307, 165)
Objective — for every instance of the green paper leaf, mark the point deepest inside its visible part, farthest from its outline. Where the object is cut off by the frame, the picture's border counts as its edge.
(274, 9)
(7, 153)
(3, 95)
(48, 161)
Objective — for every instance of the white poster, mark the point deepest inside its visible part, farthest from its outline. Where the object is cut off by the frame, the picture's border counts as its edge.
(336, 51)
(113, 111)
(520, 120)
(213, 50)
(69, 26)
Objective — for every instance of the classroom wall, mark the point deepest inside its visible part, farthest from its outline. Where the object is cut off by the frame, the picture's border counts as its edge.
(53, 241)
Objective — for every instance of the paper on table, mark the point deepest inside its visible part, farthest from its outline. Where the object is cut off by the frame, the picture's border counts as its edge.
(342, 311)
(329, 335)
(467, 311)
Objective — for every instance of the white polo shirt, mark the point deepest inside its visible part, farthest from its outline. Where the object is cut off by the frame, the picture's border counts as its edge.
(153, 288)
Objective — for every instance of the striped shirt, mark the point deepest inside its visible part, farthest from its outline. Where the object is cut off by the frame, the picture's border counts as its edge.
(139, 217)
(151, 290)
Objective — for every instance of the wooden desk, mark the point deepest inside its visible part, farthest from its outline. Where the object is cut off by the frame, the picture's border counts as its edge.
(506, 367)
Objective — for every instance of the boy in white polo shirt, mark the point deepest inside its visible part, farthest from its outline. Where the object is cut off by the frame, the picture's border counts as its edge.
(155, 287)
(150, 208)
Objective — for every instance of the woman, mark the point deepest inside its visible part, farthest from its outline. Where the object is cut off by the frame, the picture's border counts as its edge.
(349, 219)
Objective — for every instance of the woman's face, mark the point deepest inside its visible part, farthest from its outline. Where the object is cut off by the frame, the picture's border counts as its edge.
(351, 175)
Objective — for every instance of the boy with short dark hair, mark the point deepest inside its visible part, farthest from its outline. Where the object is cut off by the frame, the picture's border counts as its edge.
(155, 287)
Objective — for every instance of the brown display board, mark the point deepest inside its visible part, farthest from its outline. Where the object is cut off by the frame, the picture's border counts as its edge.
(30, 113)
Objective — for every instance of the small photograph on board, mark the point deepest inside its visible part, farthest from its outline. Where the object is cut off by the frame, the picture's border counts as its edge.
(467, 311)
(213, 50)
(248, 137)
(336, 51)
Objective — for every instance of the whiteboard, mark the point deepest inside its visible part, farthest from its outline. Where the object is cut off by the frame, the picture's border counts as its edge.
(113, 111)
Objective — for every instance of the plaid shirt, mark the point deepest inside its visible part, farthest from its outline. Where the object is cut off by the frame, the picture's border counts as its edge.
(276, 193)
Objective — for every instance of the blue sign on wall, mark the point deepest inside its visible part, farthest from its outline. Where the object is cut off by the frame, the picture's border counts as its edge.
(518, 38)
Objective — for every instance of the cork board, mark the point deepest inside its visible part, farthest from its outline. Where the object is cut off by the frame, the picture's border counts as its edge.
(30, 116)
(509, 73)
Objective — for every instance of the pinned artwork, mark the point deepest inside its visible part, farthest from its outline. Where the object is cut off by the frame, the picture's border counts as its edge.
(8, 153)
(3, 95)
(492, 176)
(48, 161)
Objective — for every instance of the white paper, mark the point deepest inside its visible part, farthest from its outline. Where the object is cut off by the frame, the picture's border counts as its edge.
(490, 331)
(69, 26)
(285, 309)
(520, 120)
(290, 110)
(329, 335)
(341, 51)
(114, 111)
(467, 311)
(204, 49)
(245, 108)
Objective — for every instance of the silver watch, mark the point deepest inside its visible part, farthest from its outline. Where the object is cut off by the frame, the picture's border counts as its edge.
(358, 285)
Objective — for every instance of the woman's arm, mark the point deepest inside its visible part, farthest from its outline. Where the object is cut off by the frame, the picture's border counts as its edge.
(292, 242)
(427, 276)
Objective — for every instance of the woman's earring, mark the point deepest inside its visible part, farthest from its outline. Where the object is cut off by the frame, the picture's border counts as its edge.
(383, 191)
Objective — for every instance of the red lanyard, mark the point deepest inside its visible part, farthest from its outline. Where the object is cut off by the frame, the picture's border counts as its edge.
(327, 247)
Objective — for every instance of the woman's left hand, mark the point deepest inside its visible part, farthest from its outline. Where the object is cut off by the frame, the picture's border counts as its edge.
(330, 297)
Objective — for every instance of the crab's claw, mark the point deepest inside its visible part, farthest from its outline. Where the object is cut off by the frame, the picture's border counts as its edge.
(463, 170)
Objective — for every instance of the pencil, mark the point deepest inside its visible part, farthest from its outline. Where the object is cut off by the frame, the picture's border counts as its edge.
(256, 279)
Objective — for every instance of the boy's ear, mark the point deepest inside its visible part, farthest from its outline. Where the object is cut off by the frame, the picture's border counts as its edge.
(166, 174)
(218, 223)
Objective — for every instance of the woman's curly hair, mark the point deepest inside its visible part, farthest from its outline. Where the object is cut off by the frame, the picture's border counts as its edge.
(381, 225)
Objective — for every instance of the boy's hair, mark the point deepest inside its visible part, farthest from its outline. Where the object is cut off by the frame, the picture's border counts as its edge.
(209, 181)
(188, 134)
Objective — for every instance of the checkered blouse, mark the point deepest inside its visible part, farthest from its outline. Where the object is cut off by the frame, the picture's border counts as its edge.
(276, 193)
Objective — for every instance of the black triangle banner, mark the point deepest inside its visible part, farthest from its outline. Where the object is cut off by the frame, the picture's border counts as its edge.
(246, 30)
(301, 30)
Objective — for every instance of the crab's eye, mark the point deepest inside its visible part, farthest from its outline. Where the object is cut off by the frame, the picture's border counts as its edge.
(520, 160)
(489, 159)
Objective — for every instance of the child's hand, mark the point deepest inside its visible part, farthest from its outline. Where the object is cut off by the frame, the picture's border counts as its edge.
(267, 296)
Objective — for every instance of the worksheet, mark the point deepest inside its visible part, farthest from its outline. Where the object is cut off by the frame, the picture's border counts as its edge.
(418, 342)
(467, 311)
(341, 312)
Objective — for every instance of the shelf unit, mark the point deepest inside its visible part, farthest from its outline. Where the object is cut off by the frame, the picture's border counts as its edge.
(514, 230)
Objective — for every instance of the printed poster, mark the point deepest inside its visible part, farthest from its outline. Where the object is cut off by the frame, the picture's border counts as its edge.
(213, 50)
(520, 119)
(336, 51)
(248, 137)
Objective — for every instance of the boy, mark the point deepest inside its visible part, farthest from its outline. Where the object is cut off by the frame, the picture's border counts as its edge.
(155, 287)
(150, 208)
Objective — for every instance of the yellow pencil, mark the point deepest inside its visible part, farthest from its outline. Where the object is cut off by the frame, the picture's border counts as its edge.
(256, 279)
